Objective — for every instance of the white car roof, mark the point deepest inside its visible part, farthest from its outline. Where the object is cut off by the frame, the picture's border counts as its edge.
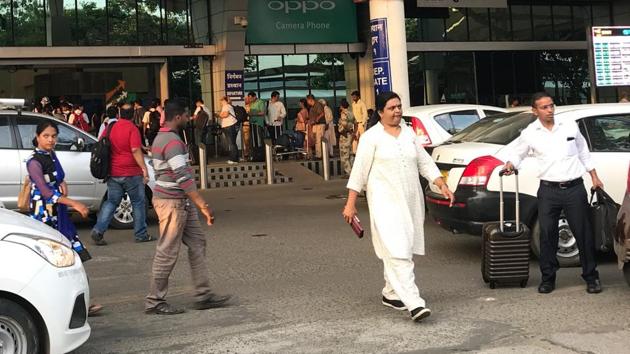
(438, 108)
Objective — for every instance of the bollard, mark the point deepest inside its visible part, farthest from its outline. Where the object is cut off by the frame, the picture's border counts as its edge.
(269, 160)
(325, 159)
(203, 167)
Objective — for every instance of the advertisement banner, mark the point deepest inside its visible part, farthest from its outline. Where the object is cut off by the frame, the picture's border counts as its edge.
(611, 53)
(463, 3)
(301, 21)
(380, 55)
(234, 87)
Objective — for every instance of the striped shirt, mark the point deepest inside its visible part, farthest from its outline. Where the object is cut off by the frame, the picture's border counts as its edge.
(173, 175)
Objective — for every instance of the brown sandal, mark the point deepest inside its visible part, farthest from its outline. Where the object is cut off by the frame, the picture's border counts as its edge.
(94, 309)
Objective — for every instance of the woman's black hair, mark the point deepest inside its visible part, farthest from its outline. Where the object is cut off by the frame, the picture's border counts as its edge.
(303, 101)
(381, 101)
(41, 127)
(344, 103)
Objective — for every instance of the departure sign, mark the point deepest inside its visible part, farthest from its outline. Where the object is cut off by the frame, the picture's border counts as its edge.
(611, 53)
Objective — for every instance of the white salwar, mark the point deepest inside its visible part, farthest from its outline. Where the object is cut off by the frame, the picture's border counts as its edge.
(388, 168)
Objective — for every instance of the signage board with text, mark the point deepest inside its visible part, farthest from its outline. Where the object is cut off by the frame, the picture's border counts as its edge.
(301, 21)
(234, 87)
(380, 55)
(611, 56)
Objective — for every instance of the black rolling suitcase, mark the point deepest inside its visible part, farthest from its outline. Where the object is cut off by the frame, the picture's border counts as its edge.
(505, 247)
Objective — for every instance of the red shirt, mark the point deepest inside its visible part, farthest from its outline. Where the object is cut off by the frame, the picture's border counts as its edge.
(124, 137)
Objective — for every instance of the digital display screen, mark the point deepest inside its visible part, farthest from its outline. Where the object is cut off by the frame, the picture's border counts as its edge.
(611, 54)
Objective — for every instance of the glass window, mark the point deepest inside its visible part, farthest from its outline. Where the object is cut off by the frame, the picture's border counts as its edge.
(150, 22)
(601, 15)
(26, 130)
(185, 79)
(29, 22)
(478, 24)
(6, 30)
(541, 14)
(415, 67)
(251, 73)
(444, 120)
(488, 112)
(270, 75)
(477, 129)
(462, 119)
(122, 22)
(177, 20)
(562, 23)
(521, 22)
(296, 81)
(456, 25)
(503, 75)
(502, 130)
(609, 134)
(500, 29)
(67, 138)
(432, 29)
(6, 137)
(581, 21)
(92, 26)
(412, 30)
(321, 80)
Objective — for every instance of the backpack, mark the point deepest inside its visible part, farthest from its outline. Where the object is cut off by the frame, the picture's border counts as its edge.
(241, 114)
(154, 121)
(100, 159)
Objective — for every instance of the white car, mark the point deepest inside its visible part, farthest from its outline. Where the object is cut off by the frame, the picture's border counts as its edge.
(436, 123)
(44, 292)
(470, 159)
(17, 130)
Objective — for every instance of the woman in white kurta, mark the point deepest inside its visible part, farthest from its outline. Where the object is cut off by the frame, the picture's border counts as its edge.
(388, 162)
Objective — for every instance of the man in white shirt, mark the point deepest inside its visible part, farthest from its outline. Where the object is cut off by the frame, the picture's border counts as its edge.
(359, 110)
(275, 115)
(562, 155)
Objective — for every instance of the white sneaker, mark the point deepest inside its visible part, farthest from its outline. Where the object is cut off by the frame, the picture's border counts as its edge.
(230, 162)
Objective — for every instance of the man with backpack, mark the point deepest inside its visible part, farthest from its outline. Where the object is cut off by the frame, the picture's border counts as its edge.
(128, 174)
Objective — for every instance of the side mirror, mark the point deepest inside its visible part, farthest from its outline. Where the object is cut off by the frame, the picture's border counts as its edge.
(80, 144)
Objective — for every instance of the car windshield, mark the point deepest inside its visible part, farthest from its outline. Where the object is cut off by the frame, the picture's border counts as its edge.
(498, 129)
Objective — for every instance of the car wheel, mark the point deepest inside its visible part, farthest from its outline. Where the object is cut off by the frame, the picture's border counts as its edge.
(18, 332)
(123, 215)
(568, 254)
(626, 272)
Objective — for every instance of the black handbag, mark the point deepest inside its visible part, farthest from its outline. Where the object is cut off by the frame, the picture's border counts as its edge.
(604, 219)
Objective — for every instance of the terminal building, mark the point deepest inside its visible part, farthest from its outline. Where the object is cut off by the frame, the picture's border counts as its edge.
(437, 51)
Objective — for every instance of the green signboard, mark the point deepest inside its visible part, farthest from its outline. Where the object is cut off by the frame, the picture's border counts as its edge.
(301, 21)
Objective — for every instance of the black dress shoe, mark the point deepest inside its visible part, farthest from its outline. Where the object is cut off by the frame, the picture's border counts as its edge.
(213, 301)
(420, 313)
(395, 304)
(594, 286)
(546, 287)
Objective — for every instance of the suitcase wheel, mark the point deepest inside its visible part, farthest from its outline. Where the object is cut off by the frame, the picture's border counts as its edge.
(523, 283)
(493, 285)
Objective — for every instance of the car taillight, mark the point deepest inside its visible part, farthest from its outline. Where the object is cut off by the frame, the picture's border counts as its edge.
(420, 131)
(478, 171)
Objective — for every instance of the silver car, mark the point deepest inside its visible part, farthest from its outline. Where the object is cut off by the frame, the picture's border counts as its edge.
(17, 130)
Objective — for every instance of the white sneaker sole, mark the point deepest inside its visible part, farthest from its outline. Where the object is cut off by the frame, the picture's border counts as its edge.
(421, 315)
(404, 308)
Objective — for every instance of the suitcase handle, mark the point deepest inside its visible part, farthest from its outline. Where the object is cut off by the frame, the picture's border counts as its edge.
(502, 203)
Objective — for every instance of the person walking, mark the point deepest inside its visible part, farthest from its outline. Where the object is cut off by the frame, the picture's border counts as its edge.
(128, 174)
(387, 165)
(562, 157)
(229, 124)
(317, 121)
(346, 136)
(49, 199)
(152, 121)
(329, 131)
(174, 191)
(359, 110)
(275, 116)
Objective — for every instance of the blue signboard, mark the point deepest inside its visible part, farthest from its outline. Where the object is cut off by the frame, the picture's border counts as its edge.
(234, 87)
(380, 55)
(382, 77)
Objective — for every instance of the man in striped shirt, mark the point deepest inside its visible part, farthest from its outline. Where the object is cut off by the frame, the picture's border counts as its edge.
(174, 199)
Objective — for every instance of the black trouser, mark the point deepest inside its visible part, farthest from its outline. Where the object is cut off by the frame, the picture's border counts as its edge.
(574, 201)
(274, 132)
(232, 133)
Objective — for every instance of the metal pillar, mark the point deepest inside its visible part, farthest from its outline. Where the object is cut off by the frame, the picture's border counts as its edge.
(325, 159)
(203, 167)
(269, 160)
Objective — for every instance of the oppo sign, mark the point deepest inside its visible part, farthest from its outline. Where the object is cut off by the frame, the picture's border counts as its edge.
(301, 6)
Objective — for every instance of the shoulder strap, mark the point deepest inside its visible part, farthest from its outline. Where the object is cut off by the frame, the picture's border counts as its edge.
(109, 129)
